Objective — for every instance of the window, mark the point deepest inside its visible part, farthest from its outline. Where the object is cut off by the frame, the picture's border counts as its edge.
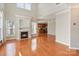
(10, 28)
(34, 27)
(1, 26)
(20, 5)
(24, 5)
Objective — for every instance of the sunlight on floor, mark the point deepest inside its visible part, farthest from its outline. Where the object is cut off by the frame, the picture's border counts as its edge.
(34, 44)
(20, 54)
(10, 49)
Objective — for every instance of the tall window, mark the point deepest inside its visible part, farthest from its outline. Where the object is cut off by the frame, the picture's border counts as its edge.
(1, 25)
(34, 27)
(24, 5)
(10, 27)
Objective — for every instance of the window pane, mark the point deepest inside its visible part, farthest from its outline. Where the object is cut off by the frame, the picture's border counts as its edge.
(34, 27)
(20, 5)
(10, 28)
(28, 6)
(24, 5)
(17, 5)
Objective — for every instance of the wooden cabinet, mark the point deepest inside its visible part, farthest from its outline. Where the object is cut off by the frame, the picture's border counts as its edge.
(42, 28)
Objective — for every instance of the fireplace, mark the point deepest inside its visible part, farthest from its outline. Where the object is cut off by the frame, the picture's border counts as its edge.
(0, 42)
(24, 34)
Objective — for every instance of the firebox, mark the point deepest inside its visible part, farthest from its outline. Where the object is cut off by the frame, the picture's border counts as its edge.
(24, 35)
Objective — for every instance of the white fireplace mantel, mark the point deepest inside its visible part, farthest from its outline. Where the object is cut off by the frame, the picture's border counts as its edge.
(23, 24)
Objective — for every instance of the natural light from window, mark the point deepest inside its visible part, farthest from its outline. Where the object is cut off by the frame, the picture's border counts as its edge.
(24, 5)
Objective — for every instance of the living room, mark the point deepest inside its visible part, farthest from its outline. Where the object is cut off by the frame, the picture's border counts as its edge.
(39, 29)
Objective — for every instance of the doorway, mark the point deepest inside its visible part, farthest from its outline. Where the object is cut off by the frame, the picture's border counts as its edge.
(42, 28)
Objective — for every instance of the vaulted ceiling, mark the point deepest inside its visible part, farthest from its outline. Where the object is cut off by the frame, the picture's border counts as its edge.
(48, 9)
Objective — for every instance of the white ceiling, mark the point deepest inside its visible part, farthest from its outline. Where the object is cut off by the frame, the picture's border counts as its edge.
(45, 9)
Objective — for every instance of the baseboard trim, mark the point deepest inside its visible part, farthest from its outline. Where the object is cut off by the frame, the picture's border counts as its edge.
(74, 48)
(51, 35)
(62, 43)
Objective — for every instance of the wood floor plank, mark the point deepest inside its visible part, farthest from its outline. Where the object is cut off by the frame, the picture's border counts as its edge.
(44, 45)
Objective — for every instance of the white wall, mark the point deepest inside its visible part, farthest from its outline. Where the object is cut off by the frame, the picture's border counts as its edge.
(74, 43)
(63, 27)
(34, 10)
(51, 26)
(51, 23)
(10, 11)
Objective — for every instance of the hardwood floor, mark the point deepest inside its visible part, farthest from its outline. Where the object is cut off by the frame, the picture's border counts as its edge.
(43, 45)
